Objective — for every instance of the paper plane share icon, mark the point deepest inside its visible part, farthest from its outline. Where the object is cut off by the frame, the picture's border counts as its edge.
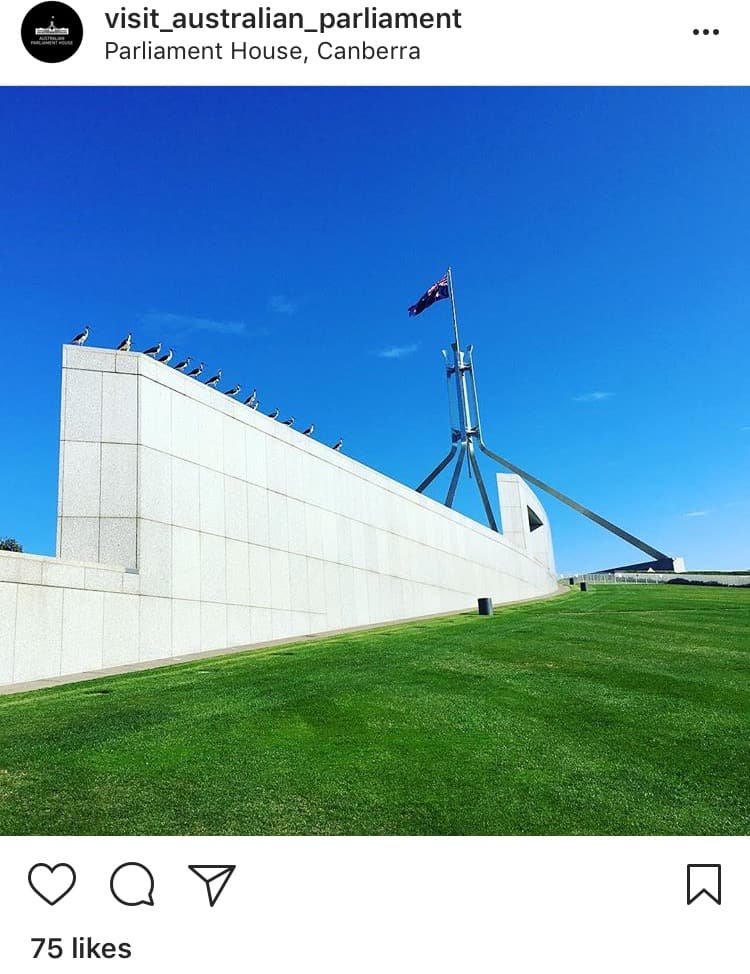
(215, 878)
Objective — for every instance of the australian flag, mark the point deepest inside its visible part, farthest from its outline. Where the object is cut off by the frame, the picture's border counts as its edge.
(435, 293)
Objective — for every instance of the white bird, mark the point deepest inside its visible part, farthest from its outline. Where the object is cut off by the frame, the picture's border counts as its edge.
(309, 430)
(232, 392)
(288, 422)
(125, 344)
(81, 338)
(215, 379)
(197, 370)
(251, 398)
(154, 350)
(337, 446)
(166, 359)
(274, 414)
(181, 366)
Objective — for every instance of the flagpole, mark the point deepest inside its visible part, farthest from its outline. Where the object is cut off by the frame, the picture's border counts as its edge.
(460, 370)
(453, 308)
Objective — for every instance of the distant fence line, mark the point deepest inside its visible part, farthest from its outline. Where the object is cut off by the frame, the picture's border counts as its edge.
(660, 578)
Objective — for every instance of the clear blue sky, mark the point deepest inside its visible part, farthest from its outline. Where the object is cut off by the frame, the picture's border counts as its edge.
(601, 246)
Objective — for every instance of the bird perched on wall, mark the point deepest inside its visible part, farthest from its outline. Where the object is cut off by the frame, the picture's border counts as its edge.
(254, 405)
(288, 422)
(337, 445)
(154, 350)
(81, 338)
(215, 379)
(125, 344)
(197, 370)
(232, 392)
(252, 398)
(274, 414)
(166, 359)
(309, 430)
(181, 366)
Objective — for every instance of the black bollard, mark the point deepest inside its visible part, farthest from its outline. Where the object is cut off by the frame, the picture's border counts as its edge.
(485, 607)
(584, 586)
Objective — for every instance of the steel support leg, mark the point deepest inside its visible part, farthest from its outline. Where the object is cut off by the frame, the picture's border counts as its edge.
(456, 474)
(480, 484)
(598, 519)
(438, 469)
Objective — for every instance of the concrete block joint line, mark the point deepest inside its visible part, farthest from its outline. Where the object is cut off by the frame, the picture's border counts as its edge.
(188, 523)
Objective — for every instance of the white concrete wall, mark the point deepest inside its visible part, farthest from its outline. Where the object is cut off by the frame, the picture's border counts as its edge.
(188, 522)
(517, 499)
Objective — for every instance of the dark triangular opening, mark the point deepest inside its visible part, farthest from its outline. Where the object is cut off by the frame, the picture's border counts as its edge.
(534, 520)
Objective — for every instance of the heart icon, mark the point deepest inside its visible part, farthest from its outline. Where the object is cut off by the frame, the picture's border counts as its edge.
(52, 883)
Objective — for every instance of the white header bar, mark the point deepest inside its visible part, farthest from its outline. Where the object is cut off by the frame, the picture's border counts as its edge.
(427, 42)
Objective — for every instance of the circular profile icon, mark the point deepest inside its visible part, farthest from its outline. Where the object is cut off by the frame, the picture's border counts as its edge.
(52, 32)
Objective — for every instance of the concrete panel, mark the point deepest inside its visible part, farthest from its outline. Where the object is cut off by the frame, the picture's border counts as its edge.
(155, 416)
(79, 538)
(127, 362)
(235, 509)
(120, 640)
(8, 599)
(257, 515)
(155, 486)
(117, 541)
(38, 633)
(186, 627)
(278, 521)
(119, 480)
(81, 478)
(238, 573)
(82, 631)
(314, 531)
(119, 408)
(62, 575)
(300, 595)
(88, 358)
(20, 568)
(213, 626)
(155, 558)
(186, 494)
(185, 419)
(102, 579)
(296, 520)
(316, 585)
(213, 569)
(261, 625)
(155, 628)
(255, 457)
(186, 564)
(82, 418)
(211, 439)
(235, 464)
(281, 593)
(276, 460)
(211, 501)
(239, 632)
(259, 561)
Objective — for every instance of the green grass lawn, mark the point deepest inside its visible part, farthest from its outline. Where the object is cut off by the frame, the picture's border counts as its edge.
(624, 710)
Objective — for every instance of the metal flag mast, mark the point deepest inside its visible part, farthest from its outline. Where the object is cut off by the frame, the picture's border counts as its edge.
(466, 435)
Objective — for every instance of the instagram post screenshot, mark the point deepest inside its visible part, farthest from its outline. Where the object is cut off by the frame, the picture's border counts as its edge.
(374, 487)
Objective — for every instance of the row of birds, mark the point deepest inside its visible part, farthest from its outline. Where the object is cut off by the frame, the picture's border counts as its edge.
(155, 352)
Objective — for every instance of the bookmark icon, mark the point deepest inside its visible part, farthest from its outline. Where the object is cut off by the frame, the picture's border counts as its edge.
(704, 879)
(215, 878)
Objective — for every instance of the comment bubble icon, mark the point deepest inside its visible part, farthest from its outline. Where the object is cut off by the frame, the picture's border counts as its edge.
(132, 884)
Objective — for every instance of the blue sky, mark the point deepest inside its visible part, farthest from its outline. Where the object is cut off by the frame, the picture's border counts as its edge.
(600, 240)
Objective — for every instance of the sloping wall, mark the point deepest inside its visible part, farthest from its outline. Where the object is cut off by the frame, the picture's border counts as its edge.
(188, 522)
